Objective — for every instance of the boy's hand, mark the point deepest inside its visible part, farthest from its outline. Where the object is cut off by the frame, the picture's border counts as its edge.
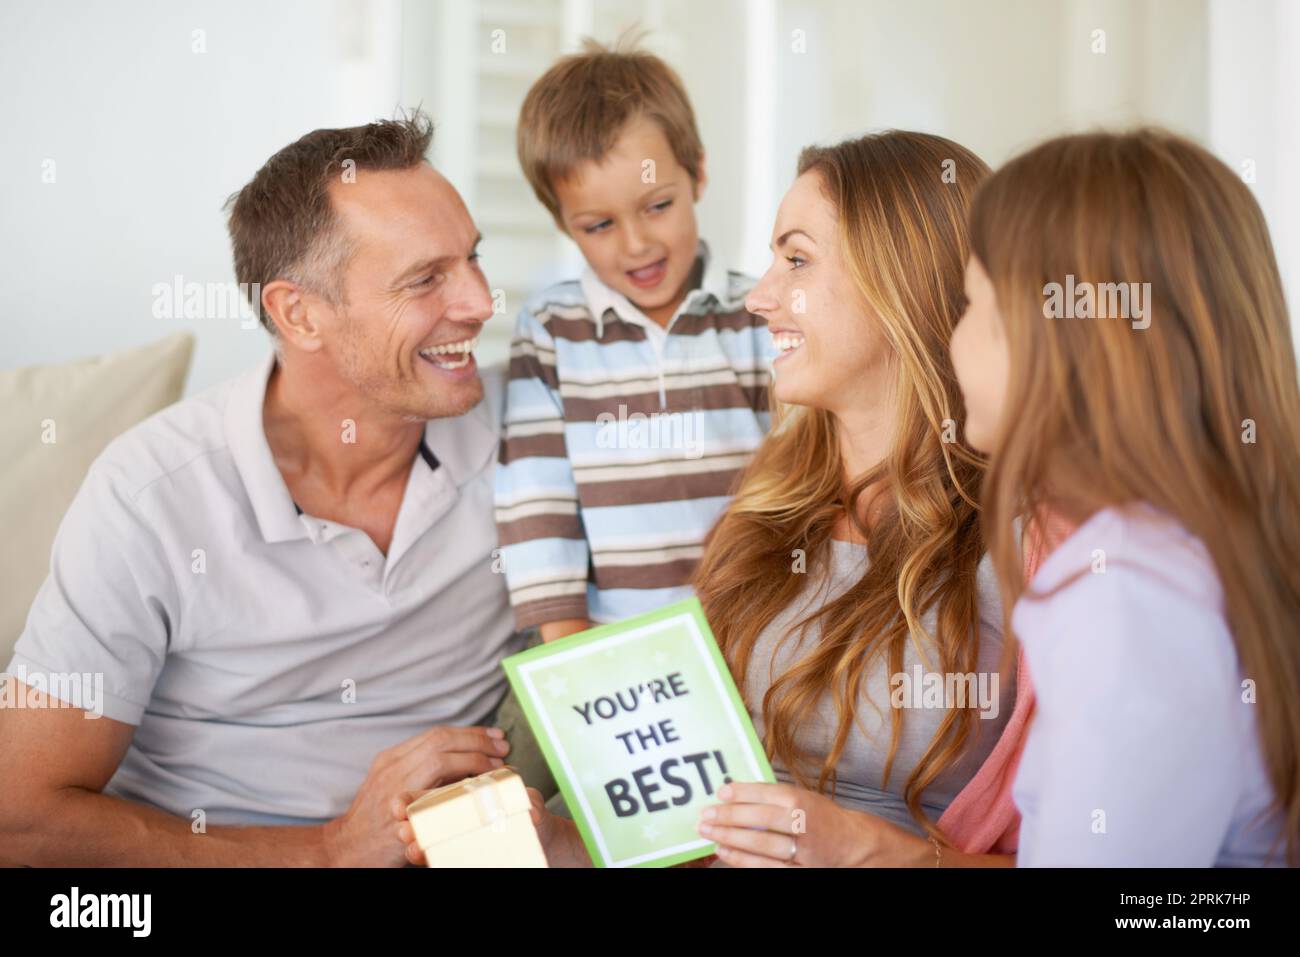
(563, 628)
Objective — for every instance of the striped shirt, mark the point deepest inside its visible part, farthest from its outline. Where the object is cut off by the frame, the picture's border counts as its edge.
(622, 442)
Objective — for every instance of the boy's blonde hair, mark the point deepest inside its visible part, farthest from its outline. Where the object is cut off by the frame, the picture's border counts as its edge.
(579, 107)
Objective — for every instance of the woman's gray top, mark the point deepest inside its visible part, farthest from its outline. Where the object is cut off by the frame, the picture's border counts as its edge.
(862, 762)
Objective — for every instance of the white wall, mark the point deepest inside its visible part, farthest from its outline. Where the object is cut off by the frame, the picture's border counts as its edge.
(148, 139)
(1254, 88)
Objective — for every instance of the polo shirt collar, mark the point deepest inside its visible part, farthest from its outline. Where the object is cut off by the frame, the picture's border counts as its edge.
(715, 287)
(463, 444)
(277, 517)
(458, 447)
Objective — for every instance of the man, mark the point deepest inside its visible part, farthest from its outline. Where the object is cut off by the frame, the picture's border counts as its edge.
(286, 584)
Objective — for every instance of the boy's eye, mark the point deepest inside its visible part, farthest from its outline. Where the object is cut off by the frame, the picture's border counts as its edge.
(599, 227)
(660, 206)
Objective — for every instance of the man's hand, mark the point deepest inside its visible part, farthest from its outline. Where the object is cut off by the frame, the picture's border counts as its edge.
(559, 836)
(373, 832)
(560, 839)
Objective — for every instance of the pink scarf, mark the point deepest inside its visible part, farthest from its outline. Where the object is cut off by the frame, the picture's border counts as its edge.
(982, 818)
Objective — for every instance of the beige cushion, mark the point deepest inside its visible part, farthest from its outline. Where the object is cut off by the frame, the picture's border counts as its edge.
(80, 406)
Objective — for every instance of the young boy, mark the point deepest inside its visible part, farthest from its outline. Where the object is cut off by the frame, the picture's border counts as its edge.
(638, 392)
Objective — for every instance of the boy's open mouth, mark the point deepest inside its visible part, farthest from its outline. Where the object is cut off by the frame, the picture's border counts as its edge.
(451, 355)
(647, 277)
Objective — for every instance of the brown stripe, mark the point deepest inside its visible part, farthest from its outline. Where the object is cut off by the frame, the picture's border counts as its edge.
(531, 367)
(758, 398)
(723, 395)
(660, 575)
(659, 489)
(545, 445)
(692, 325)
(616, 329)
(584, 330)
(540, 526)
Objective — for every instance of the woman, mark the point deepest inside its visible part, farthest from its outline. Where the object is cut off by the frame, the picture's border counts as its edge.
(851, 553)
(1126, 358)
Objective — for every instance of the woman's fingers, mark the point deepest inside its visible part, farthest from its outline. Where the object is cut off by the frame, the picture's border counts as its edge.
(768, 816)
(770, 844)
(760, 792)
(739, 858)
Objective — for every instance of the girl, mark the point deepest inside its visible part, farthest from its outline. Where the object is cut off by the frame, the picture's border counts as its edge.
(1126, 359)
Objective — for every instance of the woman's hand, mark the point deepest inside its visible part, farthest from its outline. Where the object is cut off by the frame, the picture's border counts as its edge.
(780, 825)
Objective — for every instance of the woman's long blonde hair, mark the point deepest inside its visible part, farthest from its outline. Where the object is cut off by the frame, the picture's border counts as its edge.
(902, 200)
(1197, 414)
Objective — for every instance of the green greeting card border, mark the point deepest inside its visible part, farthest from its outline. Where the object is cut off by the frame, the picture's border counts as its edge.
(690, 607)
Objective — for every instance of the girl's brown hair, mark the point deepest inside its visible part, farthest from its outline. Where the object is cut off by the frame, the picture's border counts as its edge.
(902, 200)
(1197, 414)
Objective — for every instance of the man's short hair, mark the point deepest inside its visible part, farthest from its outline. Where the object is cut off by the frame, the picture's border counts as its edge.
(282, 224)
(577, 110)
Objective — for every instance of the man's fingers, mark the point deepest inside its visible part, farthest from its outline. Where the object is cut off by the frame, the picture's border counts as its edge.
(403, 801)
(406, 834)
(439, 758)
(437, 769)
(416, 856)
(536, 806)
(543, 820)
(445, 738)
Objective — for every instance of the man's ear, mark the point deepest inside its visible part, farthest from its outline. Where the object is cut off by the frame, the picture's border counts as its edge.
(286, 304)
(701, 178)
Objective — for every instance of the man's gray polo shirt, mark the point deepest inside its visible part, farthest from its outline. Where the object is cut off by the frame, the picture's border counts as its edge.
(266, 656)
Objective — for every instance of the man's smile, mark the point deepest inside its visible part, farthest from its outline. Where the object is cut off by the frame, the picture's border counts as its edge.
(451, 355)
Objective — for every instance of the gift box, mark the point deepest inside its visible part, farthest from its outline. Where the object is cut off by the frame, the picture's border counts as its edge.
(482, 821)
